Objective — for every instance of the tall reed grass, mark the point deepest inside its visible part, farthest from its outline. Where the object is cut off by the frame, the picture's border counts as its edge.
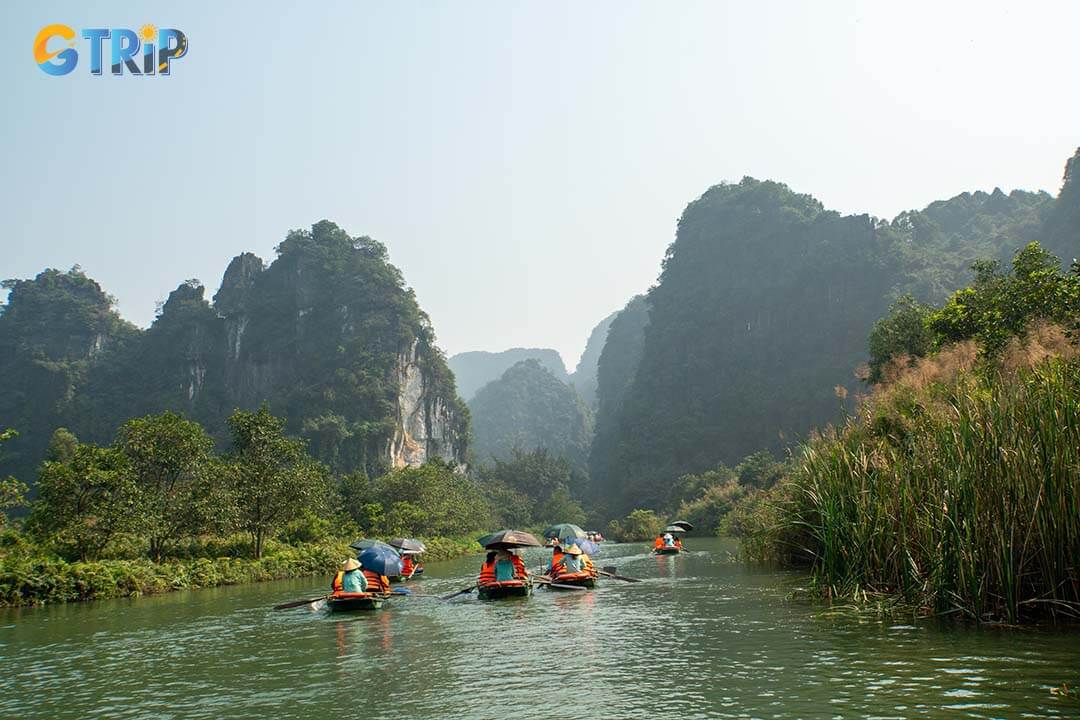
(956, 488)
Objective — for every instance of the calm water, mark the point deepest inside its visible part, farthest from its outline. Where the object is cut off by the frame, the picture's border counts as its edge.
(702, 636)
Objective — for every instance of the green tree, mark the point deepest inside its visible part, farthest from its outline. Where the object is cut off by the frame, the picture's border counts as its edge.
(271, 478)
(12, 491)
(432, 499)
(539, 485)
(168, 456)
(904, 333)
(86, 499)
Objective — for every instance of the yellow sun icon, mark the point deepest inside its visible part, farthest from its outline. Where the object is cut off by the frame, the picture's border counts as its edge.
(148, 33)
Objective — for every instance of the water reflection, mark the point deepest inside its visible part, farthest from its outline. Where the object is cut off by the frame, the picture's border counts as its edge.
(700, 636)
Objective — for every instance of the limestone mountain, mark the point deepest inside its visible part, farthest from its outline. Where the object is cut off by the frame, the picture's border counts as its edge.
(584, 375)
(529, 408)
(474, 369)
(327, 334)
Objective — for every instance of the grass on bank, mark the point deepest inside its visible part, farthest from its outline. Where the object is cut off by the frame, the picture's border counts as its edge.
(31, 577)
(956, 488)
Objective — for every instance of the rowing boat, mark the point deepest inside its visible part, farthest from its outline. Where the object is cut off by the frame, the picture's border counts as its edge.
(666, 551)
(348, 602)
(579, 579)
(504, 589)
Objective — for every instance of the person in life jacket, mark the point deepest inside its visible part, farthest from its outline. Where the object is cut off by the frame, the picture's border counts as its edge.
(669, 541)
(678, 542)
(376, 583)
(556, 557)
(658, 543)
(349, 578)
(572, 561)
(500, 566)
(410, 565)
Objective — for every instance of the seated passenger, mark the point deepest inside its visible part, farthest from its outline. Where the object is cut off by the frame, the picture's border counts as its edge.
(410, 565)
(556, 557)
(376, 582)
(570, 562)
(487, 570)
(669, 541)
(349, 578)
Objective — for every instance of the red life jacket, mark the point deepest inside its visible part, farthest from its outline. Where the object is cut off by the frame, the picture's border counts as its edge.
(338, 582)
(407, 566)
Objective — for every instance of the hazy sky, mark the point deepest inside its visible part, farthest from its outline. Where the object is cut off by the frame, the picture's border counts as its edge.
(525, 163)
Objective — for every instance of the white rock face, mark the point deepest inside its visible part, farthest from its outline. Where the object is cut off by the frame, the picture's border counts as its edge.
(424, 428)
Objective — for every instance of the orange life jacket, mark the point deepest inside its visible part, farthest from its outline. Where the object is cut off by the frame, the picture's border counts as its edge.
(406, 565)
(338, 582)
(659, 543)
(678, 543)
(487, 573)
(519, 567)
(376, 583)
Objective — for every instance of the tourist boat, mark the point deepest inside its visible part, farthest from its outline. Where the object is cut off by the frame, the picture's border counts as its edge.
(348, 602)
(667, 550)
(504, 589)
(578, 579)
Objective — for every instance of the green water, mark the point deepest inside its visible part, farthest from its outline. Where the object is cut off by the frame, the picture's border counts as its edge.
(701, 637)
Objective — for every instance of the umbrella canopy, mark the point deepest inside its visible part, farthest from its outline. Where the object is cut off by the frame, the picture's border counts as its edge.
(508, 539)
(587, 546)
(408, 545)
(564, 532)
(683, 524)
(364, 544)
(384, 562)
(674, 529)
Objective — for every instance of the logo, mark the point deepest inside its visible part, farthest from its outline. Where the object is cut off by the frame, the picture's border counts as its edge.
(150, 51)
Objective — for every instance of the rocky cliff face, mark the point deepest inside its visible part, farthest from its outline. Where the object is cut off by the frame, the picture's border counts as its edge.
(327, 335)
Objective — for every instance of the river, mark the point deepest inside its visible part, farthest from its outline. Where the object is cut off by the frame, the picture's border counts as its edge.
(702, 636)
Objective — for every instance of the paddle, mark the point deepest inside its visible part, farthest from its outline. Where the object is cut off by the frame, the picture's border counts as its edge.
(547, 581)
(610, 572)
(298, 603)
(459, 592)
(401, 591)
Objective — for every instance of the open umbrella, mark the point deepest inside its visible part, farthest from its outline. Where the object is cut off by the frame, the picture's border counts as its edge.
(365, 544)
(674, 529)
(683, 524)
(407, 545)
(587, 546)
(564, 532)
(384, 562)
(508, 539)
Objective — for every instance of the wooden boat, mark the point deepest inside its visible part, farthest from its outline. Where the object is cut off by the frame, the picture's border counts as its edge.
(667, 551)
(348, 602)
(578, 579)
(504, 589)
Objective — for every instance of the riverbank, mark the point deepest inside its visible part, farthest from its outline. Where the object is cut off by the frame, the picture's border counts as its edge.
(954, 491)
(27, 579)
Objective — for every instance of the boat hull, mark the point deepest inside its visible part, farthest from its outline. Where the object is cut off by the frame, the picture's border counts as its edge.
(503, 590)
(576, 579)
(667, 551)
(353, 602)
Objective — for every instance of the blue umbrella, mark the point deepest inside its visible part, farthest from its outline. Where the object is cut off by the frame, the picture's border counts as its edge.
(587, 546)
(380, 561)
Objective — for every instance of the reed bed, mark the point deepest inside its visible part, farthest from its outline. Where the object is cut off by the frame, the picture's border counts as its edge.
(955, 490)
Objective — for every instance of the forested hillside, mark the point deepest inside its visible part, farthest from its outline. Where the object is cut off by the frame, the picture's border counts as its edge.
(526, 409)
(584, 375)
(475, 369)
(328, 334)
(760, 318)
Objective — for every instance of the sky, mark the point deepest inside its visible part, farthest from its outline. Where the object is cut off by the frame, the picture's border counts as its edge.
(525, 163)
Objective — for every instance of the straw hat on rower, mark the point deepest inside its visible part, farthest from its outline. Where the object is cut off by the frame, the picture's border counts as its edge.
(350, 564)
(573, 550)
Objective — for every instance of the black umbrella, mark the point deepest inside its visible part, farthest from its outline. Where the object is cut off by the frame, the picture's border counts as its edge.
(364, 544)
(408, 545)
(508, 539)
(683, 524)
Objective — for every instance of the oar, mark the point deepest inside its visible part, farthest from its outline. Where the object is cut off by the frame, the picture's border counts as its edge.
(298, 603)
(547, 581)
(610, 572)
(401, 591)
(459, 592)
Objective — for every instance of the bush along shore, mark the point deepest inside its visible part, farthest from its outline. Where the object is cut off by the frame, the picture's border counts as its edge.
(955, 489)
(29, 578)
